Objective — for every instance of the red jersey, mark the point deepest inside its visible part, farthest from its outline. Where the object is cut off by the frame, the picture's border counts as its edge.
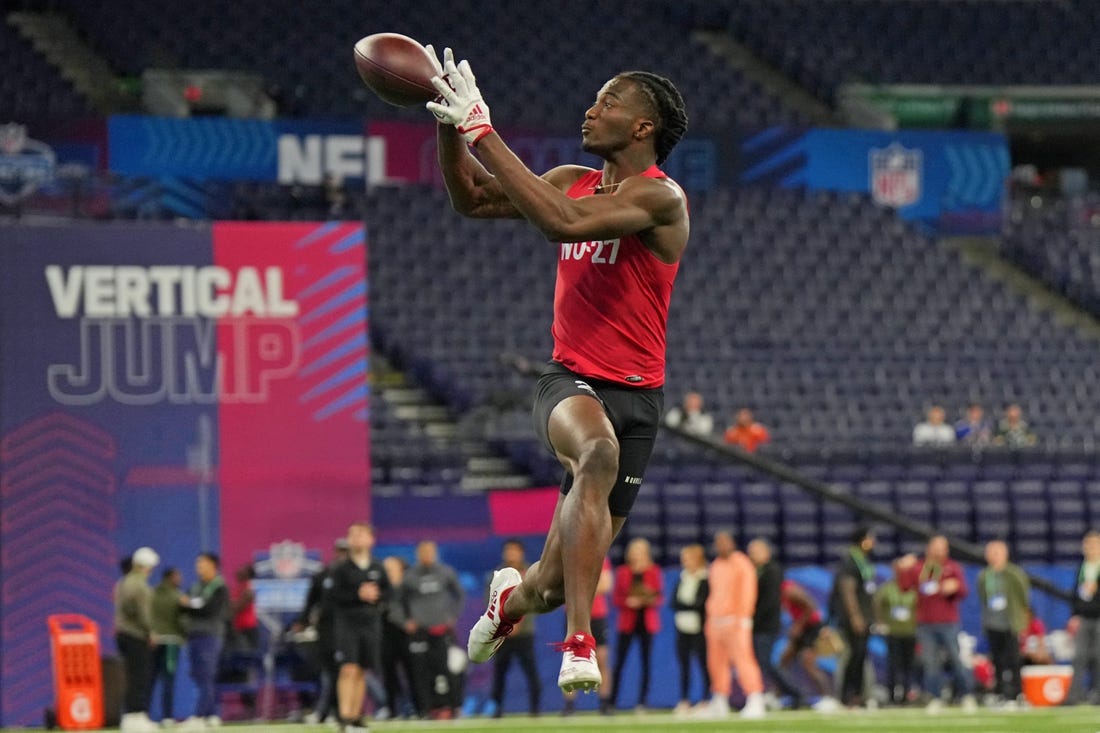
(795, 611)
(611, 304)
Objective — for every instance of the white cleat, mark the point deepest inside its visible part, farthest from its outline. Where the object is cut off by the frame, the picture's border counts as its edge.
(754, 709)
(578, 665)
(826, 704)
(489, 632)
(717, 708)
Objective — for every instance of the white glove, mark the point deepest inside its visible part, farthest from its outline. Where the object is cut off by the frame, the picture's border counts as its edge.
(462, 105)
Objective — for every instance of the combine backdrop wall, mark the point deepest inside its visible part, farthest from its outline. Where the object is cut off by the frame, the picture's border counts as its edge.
(184, 388)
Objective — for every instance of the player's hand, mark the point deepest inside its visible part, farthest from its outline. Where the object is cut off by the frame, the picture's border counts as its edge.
(435, 59)
(949, 586)
(907, 561)
(462, 104)
(411, 627)
(1073, 625)
(369, 592)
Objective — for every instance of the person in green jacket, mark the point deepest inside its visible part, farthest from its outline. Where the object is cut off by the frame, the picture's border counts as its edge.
(167, 637)
(895, 616)
(1004, 591)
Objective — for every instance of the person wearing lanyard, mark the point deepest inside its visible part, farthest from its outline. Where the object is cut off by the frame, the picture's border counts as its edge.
(1084, 625)
(850, 609)
(895, 615)
(940, 586)
(1004, 590)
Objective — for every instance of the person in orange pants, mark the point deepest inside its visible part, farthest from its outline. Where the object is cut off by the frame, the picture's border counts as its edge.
(728, 630)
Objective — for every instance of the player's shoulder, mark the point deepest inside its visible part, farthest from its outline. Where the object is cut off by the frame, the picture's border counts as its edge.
(564, 176)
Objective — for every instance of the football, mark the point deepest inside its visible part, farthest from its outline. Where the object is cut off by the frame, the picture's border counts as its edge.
(396, 68)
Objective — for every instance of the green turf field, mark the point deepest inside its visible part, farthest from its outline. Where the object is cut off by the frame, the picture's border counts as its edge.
(1056, 720)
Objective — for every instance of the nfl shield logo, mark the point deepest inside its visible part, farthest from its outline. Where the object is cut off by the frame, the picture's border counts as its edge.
(895, 176)
(288, 559)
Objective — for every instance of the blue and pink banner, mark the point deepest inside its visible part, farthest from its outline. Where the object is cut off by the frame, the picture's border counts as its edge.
(185, 388)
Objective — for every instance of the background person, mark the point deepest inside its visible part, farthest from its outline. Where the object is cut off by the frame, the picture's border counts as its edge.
(206, 611)
(688, 601)
(730, 607)
(360, 589)
(168, 637)
(1084, 624)
(433, 599)
(940, 586)
(850, 607)
(745, 432)
(134, 634)
(934, 430)
(520, 645)
(690, 416)
(1004, 591)
(638, 594)
(896, 614)
(767, 619)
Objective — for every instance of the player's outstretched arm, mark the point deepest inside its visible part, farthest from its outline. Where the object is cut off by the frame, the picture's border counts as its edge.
(640, 203)
(474, 192)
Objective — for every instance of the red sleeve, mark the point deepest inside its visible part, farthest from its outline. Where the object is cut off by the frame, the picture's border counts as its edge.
(907, 579)
(622, 586)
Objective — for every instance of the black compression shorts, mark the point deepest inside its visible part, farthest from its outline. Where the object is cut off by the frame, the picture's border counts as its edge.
(635, 415)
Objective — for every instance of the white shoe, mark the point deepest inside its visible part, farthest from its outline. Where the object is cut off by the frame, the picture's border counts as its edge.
(578, 665)
(137, 723)
(827, 704)
(969, 704)
(193, 723)
(682, 709)
(754, 707)
(717, 709)
(311, 718)
(489, 632)
(934, 706)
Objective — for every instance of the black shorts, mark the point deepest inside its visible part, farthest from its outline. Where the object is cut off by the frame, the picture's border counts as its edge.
(356, 642)
(808, 637)
(635, 415)
(599, 631)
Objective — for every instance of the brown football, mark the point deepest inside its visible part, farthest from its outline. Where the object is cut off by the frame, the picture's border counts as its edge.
(396, 68)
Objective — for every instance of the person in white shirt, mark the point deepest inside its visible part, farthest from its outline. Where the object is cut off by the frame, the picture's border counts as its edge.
(934, 430)
(690, 416)
(689, 600)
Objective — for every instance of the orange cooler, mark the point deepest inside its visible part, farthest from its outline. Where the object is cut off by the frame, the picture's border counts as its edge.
(1046, 684)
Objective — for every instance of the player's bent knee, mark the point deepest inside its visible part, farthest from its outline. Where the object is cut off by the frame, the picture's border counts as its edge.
(600, 458)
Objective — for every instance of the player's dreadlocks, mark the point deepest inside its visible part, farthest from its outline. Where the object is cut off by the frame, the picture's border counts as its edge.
(672, 118)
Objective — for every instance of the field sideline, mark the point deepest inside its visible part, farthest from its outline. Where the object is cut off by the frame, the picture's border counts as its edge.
(1082, 719)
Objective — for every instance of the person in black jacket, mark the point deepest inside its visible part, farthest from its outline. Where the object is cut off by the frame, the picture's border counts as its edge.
(360, 590)
(851, 609)
(318, 614)
(1084, 625)
(767, 622)
(206, 611)
(688, 601)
